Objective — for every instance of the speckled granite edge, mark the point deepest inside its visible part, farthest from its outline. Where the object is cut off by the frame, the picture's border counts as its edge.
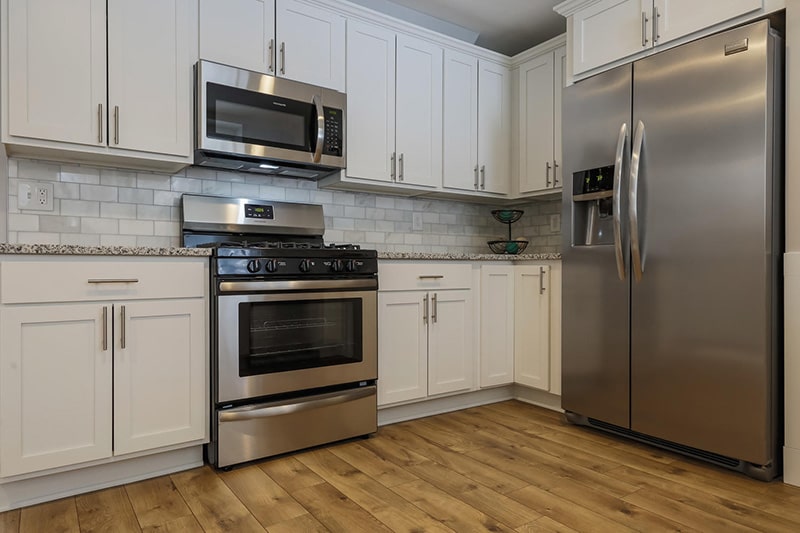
(65, 249)
(470, 257)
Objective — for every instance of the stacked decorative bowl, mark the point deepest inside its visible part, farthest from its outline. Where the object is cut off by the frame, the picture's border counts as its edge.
(507, 246)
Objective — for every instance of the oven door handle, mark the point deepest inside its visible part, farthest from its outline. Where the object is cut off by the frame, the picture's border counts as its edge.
(287, 407)
(298, 285)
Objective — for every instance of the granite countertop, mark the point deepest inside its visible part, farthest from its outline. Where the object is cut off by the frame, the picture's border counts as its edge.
(68, 249)
(470, 257)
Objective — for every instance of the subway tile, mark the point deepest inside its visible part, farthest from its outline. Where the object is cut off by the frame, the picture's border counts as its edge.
(166, 229)
(402, 227)
(245, 190)
(203, 173)
(394, 238)
(25, 237)
(167, 198)
(334, 235)
(225, 176)
(157, 242)
(322, 197)
(365, 200)
(117, 178)
(344, 223)
(70, 191)
(331, 210)
(364, 224)
(135, 196)
(384, 225)
(269, 192)
(354, 212)
(428, 238)
(13, 168)
(80, 208)
(344, 198)
(136, 227)
(298, 195)
(412, 238)
(405, 204)
(80, 239)
(117, 240)
(23, 222)
(99, 225)
(384, 202)
(375, 237)
(80, 174)
(153, 212)
(115, 210)
(37, 170)
(218, 188)
(99, 193)
(186, 184)
(430, 218)
(160, 182)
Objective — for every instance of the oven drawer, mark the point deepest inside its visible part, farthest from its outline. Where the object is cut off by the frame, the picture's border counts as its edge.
(424, 275)
(255, 431)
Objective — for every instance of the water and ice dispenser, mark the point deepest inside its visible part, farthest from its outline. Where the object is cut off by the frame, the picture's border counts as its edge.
(592, 203)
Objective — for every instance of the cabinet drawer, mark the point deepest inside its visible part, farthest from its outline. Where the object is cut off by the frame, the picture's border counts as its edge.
(100, 279)
(424, 275)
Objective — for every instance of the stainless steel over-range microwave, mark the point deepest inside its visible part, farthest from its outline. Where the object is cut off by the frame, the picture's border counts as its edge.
(258, 123)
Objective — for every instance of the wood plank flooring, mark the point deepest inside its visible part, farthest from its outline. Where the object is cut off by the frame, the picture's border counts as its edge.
(506, 467)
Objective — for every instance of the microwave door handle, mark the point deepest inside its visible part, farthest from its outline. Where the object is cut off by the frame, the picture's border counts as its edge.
(320, 128)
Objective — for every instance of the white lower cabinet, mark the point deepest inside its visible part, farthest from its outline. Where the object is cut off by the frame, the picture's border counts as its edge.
(497, 325)
(94, 366)
(532, 326)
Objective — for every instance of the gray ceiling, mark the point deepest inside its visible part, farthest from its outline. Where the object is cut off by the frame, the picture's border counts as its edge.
(505, 26)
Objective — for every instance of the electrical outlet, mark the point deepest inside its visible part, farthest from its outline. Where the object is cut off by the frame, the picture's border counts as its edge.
(35, 196)
(416, 222)
(555, 223)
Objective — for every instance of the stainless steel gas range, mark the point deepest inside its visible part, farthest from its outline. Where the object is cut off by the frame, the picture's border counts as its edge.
(294, 328)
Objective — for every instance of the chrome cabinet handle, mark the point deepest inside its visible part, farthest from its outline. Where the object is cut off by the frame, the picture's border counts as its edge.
(402, 167)
(617, 200)
(633, 197)
(541, 280)
(425, 309)
(434, 304)
(271, 64)
(283, 58)
(656, 16)
(547, 173)
(431, 277)
(122, 327)
(112, 280)
(475, 170)
(555, 173)
(393, 172)
(644, 29)
(483, 177)
(100, 123)
(105, 328)
(116, 124)
(320, 128)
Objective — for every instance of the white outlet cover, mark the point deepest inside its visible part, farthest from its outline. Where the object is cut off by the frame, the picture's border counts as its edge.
(35, 196)
(555, 223)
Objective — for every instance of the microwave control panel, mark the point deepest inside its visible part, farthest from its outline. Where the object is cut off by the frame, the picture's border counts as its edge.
(334, 130)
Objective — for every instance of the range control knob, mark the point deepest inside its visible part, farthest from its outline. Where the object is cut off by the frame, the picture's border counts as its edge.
(350, 265)
(305, 265)
(271, 265)
(253, 266)
(337, 265)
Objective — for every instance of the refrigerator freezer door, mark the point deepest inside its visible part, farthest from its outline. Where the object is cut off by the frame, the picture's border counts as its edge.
(701, 333)
(595, 309)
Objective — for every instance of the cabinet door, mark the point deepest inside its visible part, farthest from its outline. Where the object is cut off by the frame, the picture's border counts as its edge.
(532, 326)
(494, 127)
(240, 33)
(57, 70)
(497, 325)
(55, 386)
(310, 44)
(150, 58)
(450, 350)
(418, 112)
(609, 30)
(370, 101)
(560, 82)
(676, 18)
(555, 328)
(460, 142)
(537, 104)
(402, 346)
(160, 365)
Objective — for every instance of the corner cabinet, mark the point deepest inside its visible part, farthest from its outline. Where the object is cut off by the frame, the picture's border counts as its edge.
(425, 324)
(124, 80)
(100, 358)
(609, 30)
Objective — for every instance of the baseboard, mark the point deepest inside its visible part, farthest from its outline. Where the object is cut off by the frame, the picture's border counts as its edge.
(537, 397)
(791, 466)
(437, 406)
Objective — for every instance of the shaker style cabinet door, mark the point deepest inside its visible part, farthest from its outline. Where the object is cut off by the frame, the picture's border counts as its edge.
(450, 349)
(239, 33)
(150, 73)
(497, 325)
(676, 18)
(159, 373)
(537, 101)
(55, 386)
(460, 142)
(532, 328)
(494, 127)
(402, 346)
(57, 70)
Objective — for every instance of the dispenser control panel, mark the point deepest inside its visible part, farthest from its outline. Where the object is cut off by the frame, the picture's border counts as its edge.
(594, 180)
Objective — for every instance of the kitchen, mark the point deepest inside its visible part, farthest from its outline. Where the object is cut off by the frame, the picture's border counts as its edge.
(108, 190)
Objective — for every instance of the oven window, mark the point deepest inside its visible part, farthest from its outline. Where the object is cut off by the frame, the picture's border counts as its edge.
(292, 335)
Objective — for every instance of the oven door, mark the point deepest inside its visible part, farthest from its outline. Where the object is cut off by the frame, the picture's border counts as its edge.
(286, 336)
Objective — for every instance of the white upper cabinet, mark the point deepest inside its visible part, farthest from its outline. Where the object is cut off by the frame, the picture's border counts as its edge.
(310, 44)
(541, 81)
(94, 80)
(371, 101)
(286, 38)
(239, 33)
(609, 30)
(150, 76)
(494, 127)
(394, 107)
(63, 41)
(460, 143)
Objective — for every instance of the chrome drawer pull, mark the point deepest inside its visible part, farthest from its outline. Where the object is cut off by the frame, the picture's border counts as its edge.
(431, 277)
(119, 280)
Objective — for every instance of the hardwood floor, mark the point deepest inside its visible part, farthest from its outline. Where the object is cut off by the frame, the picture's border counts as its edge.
(503, 467)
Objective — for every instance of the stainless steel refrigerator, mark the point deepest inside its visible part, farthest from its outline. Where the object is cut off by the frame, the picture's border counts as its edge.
(672, 246)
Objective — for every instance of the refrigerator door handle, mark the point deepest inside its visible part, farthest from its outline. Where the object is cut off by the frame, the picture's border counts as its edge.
(633, 197)
(617, 207)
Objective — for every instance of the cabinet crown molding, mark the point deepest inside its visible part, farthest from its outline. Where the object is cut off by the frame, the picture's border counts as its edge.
(570, 7)
(542, 48)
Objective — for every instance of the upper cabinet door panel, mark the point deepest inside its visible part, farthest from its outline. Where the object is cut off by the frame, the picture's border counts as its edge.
(57, 70)
(311, 44)
(150, 75)
(460, 144)
(370, 101)
(677, 18)
(559, 82)
(537, 101)
(419, 112)
(494, 127)
(610, 30)
(240, 33)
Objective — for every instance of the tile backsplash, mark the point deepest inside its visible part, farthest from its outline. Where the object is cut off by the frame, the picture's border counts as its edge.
(102, 206)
